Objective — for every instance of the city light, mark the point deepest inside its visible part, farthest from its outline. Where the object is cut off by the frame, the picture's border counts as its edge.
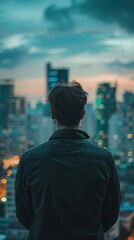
(130, 154)
(9, 173)
(117, 162)
(115, 136)
(12, 162)
(3, 199)
(129, 135)
(3, 181)
(130, 160)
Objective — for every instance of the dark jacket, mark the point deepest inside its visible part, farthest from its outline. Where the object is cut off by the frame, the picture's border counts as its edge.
(67, 189)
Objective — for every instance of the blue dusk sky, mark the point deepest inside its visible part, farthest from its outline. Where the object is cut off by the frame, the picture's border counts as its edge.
(93, 38)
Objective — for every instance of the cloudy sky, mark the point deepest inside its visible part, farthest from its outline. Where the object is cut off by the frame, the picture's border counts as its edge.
(93, 38)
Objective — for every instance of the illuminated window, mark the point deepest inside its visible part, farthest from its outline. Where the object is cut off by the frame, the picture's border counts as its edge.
(99, 117)
(101, 132)
(117, 162)
(129, 135)
(115, 136)
(100, 142)
(52, 79)
(53, 73)
(3, 199)
(130, 160)
(130, 153)
(9, 172)
(102, 106)
(3, 181)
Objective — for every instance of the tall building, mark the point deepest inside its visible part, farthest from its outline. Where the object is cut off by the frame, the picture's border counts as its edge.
(128, 128)
(89, 121)
(17, 134)
(6, 98)
(10, 211)
(15, 230)
(19, 105)
(115, 134)
(9, 103)
(54, 75)
(105, 107)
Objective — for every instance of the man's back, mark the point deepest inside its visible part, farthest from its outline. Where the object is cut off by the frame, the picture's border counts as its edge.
(67, 189)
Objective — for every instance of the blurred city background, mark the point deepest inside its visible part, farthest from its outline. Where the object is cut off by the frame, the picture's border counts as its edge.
(43, 42)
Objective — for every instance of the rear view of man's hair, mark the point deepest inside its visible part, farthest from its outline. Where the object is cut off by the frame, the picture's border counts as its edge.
(67, 103)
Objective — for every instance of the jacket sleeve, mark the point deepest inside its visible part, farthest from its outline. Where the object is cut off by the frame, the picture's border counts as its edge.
(111, 204)
(23, 198)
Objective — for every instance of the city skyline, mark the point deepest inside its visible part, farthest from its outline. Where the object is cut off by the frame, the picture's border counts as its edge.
(95, 41)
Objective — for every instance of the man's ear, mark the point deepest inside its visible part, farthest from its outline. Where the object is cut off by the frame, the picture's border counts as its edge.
(82, 115)
(52, 114)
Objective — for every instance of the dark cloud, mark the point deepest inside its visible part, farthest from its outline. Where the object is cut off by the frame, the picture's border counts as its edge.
(60, 17)
(41, 45)
(74, 43)
(108, 11)
(111, 11)
(10, 58)
(122, 65)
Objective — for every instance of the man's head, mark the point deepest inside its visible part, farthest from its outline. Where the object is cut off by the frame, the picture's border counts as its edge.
(67, 104)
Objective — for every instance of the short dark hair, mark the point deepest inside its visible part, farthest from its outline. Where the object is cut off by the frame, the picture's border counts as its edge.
(68, 102)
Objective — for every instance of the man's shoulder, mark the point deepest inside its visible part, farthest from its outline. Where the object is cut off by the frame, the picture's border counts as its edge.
(33, 152)
(101, 152)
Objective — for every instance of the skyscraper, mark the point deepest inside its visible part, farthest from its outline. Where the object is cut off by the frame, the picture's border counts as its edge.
(128, 127)
(54, 75)
(10, 204)
(88, 123)
(9, 103)
(105, 107)
(6, 97)
(115, 134)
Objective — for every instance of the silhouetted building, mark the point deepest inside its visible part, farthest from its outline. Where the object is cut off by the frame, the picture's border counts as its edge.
(6, 98)
(10, 204)
(128, 127)
(89, 121)
(115, 134)
(17, 134)
(105, 107)
(19, 105)
(9, 103)
(55, 75)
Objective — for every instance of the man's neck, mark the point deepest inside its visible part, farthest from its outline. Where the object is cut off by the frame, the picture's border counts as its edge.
(58, 127)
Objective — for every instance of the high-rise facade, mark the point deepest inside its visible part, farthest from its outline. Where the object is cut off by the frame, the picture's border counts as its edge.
(9, 103)
(105, 107)
(89, 121)
(55, 75)
(115, 134)
(10, 204)
(128, 128)
(6, 98)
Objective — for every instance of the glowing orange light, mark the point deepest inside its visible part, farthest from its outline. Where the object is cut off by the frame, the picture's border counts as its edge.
(16, 158)
(2, 192)
(5, 161)
(130, 135)
(9, 172)
(3, 181)
(12, 162)
(131, 238)
(130, 154)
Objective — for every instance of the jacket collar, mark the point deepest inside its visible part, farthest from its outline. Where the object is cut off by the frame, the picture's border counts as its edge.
(69, 133)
